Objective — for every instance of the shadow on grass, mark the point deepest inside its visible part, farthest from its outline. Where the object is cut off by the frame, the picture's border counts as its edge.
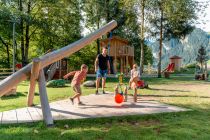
(168, 90)
(19, 94)
(57, 86)
(66, 112)
(174, 96)
(133, 105)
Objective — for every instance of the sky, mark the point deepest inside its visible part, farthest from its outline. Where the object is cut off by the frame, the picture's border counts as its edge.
(206, 19)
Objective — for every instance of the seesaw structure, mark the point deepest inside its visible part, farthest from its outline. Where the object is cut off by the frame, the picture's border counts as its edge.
(34, 71)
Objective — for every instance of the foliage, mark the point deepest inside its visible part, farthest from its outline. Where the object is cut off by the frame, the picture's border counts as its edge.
(148, 57)
(171, 19)
(193, 65)
(201, 57)
(86, 56)
(56, 83)
(124, 12)
(40, 25)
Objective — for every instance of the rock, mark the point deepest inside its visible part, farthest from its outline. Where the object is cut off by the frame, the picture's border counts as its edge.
(66, 126)
(36, 131)
(89, 83)
(186, 48)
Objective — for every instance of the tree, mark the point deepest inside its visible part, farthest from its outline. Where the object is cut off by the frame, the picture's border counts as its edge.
(8, 15)
(41, 25)
(201, 57)
(94, 12)
(124, 12)
(171, 19)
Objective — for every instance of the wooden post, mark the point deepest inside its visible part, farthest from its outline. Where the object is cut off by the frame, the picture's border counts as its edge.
(115, 58)
(47, 59)
(116, 89)
(135, 95)
(121, 65)
(126, 94)
(60, 61)
(126, 65)
(33, 78)
(47, 116)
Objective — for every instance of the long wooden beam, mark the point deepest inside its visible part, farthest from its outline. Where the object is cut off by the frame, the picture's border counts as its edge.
(17, 77)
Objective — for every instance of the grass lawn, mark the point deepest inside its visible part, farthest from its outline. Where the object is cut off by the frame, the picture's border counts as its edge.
(180, 91)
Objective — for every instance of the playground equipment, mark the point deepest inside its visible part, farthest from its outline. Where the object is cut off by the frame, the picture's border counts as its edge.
(35, 71)
(169, 69)
(57, 70)
(122, 95)
(121, 53)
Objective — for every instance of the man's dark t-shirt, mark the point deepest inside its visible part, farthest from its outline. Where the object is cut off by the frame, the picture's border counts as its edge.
(102, 62)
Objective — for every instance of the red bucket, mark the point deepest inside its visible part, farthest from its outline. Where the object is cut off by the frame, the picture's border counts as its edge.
(140, 83)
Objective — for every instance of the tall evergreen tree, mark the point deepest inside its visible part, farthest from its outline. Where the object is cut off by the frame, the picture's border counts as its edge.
(201, 57)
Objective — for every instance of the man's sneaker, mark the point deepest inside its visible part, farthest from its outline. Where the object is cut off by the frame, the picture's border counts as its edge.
(96, 92)
(104, 92)
(80, 103)
(72, 100)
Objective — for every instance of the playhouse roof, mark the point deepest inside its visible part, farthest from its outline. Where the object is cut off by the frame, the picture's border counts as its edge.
(175, 57)
(115, 38)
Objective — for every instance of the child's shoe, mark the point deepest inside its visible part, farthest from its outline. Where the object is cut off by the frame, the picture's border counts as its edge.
(72, 100)
(80, 103)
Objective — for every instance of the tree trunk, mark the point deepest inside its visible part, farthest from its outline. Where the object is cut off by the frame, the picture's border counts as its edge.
(98, 46)
(22, 35)
(7, 48)
(27, 34)
(202, 67)
(8, 60)
(142, 38)
(161, 38)
(98, 41)
(107, 11)
(107, 14)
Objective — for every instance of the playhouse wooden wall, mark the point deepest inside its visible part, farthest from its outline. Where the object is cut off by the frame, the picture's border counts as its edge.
(120, 52)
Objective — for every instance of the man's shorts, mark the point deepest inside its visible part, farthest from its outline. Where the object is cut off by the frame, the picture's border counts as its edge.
(101, 73)
(77, 89)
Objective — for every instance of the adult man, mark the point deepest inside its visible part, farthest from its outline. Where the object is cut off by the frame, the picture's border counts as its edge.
(102, 68)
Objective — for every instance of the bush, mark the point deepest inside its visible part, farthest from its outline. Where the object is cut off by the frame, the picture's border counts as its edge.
(56, 83)
(192, 65)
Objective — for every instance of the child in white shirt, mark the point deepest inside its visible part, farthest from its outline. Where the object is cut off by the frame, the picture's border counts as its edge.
(135, 76)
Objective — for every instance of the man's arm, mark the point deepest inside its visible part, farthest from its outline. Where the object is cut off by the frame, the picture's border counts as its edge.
(108, 64)
(96, 64)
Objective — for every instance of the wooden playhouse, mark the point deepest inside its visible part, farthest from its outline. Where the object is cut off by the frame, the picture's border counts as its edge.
(177, 62)
(121, 54)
